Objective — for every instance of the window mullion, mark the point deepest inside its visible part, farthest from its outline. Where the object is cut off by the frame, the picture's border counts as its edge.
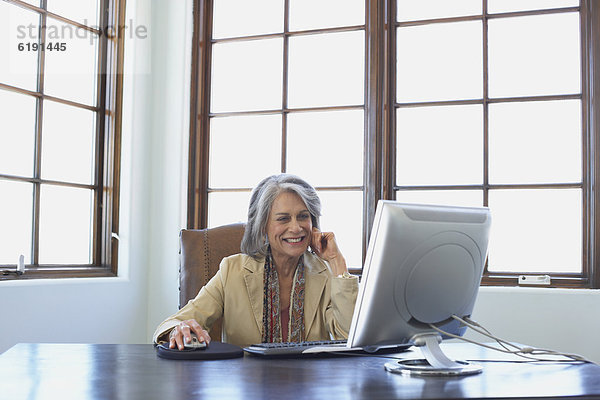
(37, 168)
(486, 125)
(486, 98)
(101, 209)
(375, 99)
(389, 83)
(284, 86)
(108, 139)
(590, 48)
(197, 215)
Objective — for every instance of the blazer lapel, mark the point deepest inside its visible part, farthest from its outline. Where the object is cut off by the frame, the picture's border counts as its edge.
(253, 276)
(315, 285)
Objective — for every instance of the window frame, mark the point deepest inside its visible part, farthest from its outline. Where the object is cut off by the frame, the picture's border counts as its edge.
(198, 178)
(380, 126)
(107, 153)
(587, 279)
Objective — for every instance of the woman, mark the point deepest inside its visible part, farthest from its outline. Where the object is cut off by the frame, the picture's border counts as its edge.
(277, 289)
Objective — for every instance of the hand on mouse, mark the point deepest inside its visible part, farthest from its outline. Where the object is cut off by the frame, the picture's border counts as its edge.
(183, 332)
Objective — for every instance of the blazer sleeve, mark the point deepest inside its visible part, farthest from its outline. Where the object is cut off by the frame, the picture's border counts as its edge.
(344, 292)
(205, 308)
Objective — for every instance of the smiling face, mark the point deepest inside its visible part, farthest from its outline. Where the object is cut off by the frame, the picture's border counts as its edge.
(289, 227)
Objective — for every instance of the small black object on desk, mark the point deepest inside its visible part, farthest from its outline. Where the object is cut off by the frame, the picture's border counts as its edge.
(214, 351)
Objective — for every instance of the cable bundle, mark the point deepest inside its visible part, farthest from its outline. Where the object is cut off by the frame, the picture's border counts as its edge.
(530, 353)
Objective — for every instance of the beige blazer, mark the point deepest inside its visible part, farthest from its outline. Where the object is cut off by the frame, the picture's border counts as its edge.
(236, 292)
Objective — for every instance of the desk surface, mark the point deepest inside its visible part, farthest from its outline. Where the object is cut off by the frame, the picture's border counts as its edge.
(94, 371)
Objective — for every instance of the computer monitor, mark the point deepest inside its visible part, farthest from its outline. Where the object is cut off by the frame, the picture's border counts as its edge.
(423, 265)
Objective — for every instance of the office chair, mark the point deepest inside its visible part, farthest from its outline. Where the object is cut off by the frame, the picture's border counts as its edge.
(201, 252)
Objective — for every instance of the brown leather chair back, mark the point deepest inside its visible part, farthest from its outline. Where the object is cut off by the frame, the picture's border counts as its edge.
(201, 252)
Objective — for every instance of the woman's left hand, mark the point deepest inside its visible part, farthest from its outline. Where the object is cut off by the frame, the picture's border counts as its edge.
(325, 246)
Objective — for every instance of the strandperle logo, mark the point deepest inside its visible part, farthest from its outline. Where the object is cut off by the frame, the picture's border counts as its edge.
(70, 47)
(67, 32)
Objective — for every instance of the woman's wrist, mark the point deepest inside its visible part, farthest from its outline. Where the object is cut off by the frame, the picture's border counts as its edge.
(338, 265)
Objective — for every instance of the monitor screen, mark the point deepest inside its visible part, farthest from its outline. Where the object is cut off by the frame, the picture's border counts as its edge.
(423, 265)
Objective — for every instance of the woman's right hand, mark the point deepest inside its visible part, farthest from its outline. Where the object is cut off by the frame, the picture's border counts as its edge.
(183, 331)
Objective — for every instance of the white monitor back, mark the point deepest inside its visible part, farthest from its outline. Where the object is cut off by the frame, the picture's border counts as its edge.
(423, 264)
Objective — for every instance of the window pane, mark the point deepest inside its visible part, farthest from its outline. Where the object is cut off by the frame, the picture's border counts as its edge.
(314, 14)
(464, 198)
(71, 74)
(65, 225)
(439, 62)
(232, 18)
(439, 145)
(498, 6)
(342, 214)
(534, 55)
(536, 231)
(535, 142)
(20, 27)
(247, 75)
(237, 141)
(410, 10)
(327, 69)
(67, 143)
(82, 11)
(227, 208)
(17, 136)
(15, 213)
(326, 148)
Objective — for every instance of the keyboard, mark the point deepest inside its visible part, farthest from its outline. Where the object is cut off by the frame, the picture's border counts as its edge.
(298, 348)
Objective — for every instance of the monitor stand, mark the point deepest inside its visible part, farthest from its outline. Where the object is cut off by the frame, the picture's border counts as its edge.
(436, 363)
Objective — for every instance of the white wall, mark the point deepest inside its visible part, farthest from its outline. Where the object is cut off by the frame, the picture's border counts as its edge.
(171, 62)
(126, 309)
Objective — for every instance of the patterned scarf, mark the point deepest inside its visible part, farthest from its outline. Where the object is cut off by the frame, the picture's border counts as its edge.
(271, 305)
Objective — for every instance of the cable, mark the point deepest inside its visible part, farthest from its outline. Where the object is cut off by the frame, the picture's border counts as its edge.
(526, 349)
(530, 353)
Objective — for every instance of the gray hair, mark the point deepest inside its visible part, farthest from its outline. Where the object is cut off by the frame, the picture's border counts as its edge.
(254, 242)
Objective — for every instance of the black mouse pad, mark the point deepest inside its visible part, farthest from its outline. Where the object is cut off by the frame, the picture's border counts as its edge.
(214, 351)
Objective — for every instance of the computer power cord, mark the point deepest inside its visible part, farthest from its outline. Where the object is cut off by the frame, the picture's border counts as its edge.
(527, 352)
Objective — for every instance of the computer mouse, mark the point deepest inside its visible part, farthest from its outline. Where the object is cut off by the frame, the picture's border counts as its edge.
(194, 344)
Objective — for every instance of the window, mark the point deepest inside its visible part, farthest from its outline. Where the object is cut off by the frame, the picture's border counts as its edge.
(59, 158)
(484, 103)
(286, 94)
(492, 114)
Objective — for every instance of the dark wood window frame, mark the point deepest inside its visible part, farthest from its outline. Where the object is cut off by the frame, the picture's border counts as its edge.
(106, 180)
(200, 108)
(380, 106)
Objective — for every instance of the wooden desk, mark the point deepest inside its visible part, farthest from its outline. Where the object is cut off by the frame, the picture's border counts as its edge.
(81, 371)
